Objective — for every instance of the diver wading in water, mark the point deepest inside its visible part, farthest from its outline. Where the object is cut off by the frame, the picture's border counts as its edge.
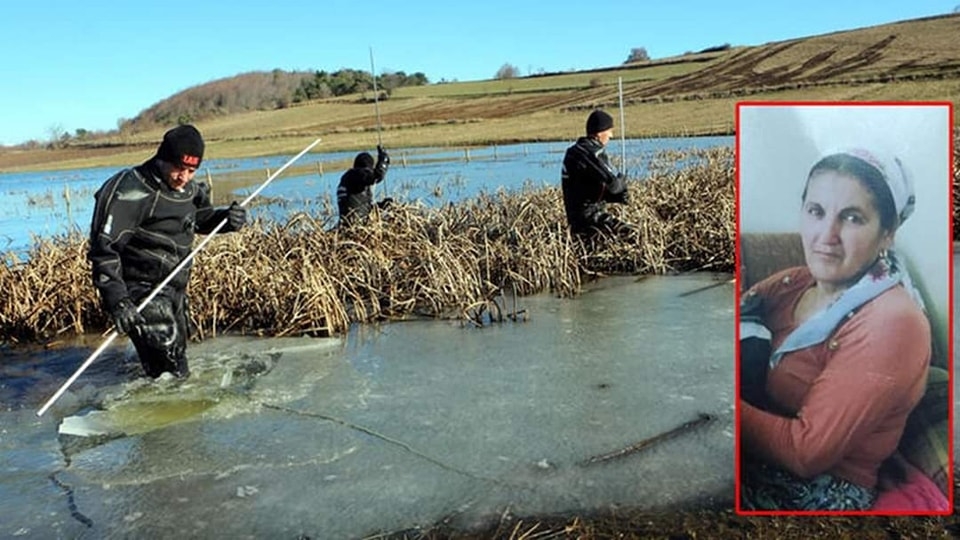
(589, 182)
(354, 193)
(184, 263)
(143, 226)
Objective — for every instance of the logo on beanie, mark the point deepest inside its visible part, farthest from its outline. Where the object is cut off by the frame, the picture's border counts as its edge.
(182, 145)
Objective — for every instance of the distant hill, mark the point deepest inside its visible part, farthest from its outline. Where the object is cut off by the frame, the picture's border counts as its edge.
(919, 49)
(255, 91)
(269, 113)
(818, 67)
(262, 91)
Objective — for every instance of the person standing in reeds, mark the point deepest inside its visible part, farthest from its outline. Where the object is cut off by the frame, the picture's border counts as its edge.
(589, 181)
(143, 226)
(354, 193)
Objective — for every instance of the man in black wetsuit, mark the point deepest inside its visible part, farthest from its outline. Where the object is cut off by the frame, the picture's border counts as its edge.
(354, 196)
(589, 181)
(143, 226)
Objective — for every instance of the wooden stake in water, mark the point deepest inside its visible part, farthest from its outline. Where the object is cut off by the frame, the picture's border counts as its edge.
(702, 418)
(186, 260)
(623, 131)
(66, 200)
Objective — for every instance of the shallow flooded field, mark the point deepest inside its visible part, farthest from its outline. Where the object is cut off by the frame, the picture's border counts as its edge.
(40, 204)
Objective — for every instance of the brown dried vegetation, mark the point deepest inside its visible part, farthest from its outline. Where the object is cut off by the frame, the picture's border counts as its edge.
(295, 278)
(689, 524)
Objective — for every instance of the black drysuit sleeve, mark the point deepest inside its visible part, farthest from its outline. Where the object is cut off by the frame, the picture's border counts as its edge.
(208, 217)
(596, 175)
(118, 211)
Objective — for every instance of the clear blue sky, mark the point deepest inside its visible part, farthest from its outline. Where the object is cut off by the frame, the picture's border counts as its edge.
(86, 64)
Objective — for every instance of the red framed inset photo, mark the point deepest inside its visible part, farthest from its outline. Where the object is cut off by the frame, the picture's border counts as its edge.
(844, 375)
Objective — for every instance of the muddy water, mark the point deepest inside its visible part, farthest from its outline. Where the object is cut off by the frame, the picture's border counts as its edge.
(389, 428)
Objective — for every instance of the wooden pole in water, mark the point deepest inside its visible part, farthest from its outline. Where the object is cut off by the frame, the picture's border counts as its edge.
(186, 260)
(66, 200)
(623, 131)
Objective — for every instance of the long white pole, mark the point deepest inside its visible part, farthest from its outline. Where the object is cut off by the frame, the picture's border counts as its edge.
(623, 131)
(376, 97)
(186, 260)
(376, 106)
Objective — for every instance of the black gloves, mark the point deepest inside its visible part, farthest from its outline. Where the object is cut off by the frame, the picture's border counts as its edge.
(385, 203)
(125, 316)
(755, 351)
(236, 216)
(627, 230)
(383, 158)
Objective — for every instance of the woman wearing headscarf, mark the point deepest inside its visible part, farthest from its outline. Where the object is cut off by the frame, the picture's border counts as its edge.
(849, 342)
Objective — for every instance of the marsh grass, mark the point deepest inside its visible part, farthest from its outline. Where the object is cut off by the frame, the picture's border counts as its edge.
(304, 276)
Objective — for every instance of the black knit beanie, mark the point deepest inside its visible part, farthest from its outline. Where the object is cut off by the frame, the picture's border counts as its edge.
(363, 161)
(598, 121)
(182, 146)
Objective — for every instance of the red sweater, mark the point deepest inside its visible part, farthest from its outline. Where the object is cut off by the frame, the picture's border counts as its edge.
(849, 397)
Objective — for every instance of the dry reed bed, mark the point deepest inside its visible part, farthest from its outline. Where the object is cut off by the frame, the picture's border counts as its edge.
(295, 278)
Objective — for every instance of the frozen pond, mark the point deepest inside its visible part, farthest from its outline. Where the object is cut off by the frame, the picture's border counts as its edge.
(392, 427)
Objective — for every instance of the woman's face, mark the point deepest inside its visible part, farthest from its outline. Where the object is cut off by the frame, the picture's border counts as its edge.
(840, 228)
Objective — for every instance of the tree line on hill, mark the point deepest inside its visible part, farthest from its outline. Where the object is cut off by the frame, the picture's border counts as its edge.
(263, 91)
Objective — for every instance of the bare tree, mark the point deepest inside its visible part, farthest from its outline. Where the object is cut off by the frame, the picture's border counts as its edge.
(638, 54)
(58, 135)
(507, 71)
